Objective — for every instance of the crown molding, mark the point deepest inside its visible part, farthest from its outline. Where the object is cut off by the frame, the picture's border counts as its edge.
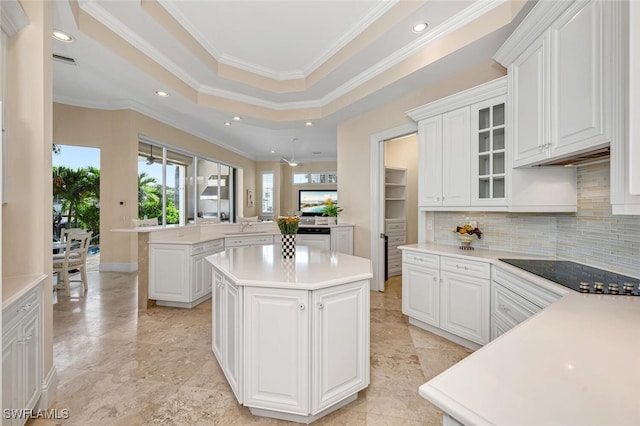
(462, 99)
(12, 17)
(541, 16)
(108, 20)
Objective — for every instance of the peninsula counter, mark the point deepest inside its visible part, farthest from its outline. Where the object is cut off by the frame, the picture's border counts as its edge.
(291, 335)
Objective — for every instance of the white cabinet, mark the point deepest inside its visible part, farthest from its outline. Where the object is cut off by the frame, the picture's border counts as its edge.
(443, 150)
(488, 163)
(515, 298)
(396, 231)
(448, 294)
(319, 241)
(22, 346)
(227, 323)
(276, 344)
(421, 287)
(289, 353)
(342, 239)
(178, 273)
(249, 240)
(478, 175)
(560, 83)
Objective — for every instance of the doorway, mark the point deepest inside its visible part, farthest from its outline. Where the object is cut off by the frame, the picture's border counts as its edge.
(378, 204)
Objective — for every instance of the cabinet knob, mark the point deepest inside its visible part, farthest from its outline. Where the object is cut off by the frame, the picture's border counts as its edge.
(437, 198)
(24, 308)
(320, 305)
(301, 306)
(25, 339)
(435, 279)
(503, 308)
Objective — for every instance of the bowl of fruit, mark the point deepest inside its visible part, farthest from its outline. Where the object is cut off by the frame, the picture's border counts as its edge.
(466, 234)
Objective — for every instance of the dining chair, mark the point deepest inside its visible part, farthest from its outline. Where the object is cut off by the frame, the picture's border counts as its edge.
(73, 261)
(64, 232)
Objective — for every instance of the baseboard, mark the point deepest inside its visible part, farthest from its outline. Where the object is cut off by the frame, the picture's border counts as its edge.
(442, 333)
(49, 386)
(118, 267)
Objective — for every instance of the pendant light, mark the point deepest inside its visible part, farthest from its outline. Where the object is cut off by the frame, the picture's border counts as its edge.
(150, 159)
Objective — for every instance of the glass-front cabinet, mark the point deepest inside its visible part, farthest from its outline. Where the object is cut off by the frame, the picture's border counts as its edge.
(489, 159)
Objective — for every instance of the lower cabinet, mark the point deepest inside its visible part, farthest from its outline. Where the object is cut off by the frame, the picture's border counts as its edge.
(514, 299)
(319, 241)
(178, 273)
(342, 239)
(447, 294)
(22, 353)
(289, 350)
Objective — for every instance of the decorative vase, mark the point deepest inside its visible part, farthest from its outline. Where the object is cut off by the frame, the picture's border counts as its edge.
(288, 246)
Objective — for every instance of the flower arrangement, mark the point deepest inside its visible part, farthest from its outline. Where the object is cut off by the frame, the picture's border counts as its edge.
(331, 208)
(288, 224)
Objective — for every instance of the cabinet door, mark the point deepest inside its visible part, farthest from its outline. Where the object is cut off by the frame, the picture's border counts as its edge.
(421, 293)
(456, 147)
(430, 162)
(10, 373)
(232, 336)
(498, 329)
(464, 304)
(30, 356)
(342, 239)
(198, 265)
(319, 241)
(169, 277)
(217, 316)
(527, 94)
(341, 341)
(276, 344)
(577, 119)
(488, 163)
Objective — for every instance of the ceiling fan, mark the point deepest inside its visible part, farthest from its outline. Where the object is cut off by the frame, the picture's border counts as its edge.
(292, 162)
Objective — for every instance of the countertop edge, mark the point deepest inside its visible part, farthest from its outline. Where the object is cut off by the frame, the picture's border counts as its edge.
(25, 282)
(449, 406)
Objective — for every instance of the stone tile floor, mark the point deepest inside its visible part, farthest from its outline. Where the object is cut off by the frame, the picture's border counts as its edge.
(118, 367)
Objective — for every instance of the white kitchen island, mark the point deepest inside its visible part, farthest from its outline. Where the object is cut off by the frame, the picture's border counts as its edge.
(291, 335)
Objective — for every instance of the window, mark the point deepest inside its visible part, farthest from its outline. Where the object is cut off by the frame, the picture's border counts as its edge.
(314, 178)
(179, 187)
(267, 193)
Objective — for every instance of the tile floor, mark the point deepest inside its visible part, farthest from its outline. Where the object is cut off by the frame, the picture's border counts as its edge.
(116, 367)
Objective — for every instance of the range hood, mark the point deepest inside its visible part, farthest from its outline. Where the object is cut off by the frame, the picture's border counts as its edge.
(579, 159)
(211, 191)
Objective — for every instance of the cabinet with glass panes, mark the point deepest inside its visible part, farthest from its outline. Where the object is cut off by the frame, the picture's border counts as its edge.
(488, 164)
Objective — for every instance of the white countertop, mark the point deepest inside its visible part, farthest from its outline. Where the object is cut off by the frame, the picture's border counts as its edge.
(310, 269)
(577, 362)
(482, 255)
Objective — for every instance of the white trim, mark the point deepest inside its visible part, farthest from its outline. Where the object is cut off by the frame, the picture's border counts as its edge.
(12, 17)
(530, 29)
(49, 386)
(118, 267)
(377, 201)
(462, 99)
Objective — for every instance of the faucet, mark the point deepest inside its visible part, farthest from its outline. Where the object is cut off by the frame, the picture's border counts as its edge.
(244, 224)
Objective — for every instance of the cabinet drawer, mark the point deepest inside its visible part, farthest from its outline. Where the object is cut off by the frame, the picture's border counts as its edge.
(396, 241)
(395, 226)
(248, 241)
(509, 307)
(197, 249)
(466, 267)
(534, 293)
(21, 308)
(424, 259)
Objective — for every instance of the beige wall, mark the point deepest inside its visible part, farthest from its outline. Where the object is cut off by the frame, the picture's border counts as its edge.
(354, 150)
(116, 134)
(27, 225)
(403, 153)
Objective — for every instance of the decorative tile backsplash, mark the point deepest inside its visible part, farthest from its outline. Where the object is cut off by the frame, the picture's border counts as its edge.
(592, 235)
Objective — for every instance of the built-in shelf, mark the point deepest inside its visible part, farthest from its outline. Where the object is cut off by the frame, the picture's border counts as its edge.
(395, 206)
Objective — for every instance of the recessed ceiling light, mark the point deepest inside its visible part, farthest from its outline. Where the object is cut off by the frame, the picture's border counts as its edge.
(308, 123)
(227, 123)
(62, 36)
(162, 94)
(237, 118)
(273, 151)
(418, 28)
(316, 152)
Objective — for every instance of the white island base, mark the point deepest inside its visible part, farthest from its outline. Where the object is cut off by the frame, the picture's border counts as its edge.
(291, 335)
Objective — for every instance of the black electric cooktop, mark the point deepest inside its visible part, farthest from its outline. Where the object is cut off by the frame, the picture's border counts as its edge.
(582, 278)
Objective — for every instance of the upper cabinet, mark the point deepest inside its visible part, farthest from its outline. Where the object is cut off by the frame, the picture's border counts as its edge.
(560, 85)
(464, 158)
